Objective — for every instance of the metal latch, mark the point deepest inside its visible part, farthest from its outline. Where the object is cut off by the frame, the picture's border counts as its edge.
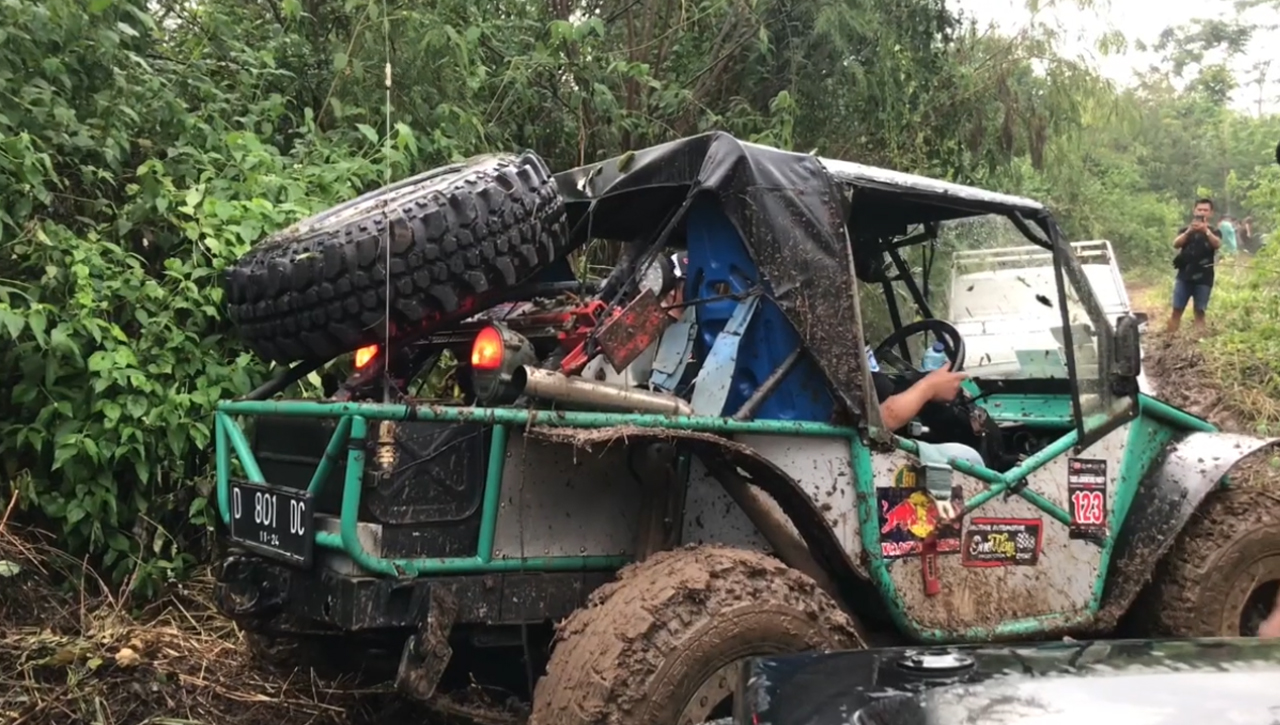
(937, 482)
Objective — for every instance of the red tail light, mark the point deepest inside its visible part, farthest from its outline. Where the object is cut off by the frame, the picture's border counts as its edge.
(488, 350)
(365, 354)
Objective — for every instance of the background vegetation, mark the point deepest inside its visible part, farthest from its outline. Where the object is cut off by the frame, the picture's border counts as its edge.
(144, 145)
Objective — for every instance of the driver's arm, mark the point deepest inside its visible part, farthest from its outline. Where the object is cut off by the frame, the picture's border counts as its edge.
(940, 385)
(898, 410)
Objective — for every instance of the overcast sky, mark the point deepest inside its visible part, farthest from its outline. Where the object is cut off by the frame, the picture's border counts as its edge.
(1138, 20)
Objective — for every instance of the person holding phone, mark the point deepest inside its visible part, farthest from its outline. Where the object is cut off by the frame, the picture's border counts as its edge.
(1197, 244)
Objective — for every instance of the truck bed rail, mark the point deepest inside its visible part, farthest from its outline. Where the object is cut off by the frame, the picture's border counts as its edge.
(1090, 252)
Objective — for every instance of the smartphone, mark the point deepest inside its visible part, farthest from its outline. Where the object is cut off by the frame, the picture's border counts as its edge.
(1201, 218)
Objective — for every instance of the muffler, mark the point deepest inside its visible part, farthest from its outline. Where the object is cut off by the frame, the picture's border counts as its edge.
(579, 393)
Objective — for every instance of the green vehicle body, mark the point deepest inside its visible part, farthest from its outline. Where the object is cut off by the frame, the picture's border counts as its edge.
(832, 486)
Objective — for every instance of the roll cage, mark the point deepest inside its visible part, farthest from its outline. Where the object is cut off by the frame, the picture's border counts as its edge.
(891, 212)
(811, 228)
(818, 223)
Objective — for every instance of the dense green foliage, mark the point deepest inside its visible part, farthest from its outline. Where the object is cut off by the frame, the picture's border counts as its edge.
(144, 145)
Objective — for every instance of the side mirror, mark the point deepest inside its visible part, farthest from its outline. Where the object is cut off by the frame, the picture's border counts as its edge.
(1127, 347)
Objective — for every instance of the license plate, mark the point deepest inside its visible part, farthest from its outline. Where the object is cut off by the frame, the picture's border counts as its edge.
(274, 521)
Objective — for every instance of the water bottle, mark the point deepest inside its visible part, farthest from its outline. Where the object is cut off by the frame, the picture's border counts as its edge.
(871, 361)
(934, 358)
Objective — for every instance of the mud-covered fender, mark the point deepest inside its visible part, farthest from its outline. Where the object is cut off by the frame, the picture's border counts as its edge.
(858, 592)
(1170, 492)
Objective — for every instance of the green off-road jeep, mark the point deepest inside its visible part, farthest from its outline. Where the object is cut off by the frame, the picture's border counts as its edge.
(651, 477)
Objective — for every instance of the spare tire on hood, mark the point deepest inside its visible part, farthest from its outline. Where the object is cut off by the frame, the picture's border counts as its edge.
(459, 236)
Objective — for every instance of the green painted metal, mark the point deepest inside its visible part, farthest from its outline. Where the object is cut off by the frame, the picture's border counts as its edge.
(492, 492)
(523, 417)
(244, 452)
(1179, 419)
(1024, 627)
(332, 453)
(1147, 438)
(878, 568)
(222, 456)
(350, 543)
(354, 429)
(869, 531)
(1002, 482)
(1036, 411)
(470, 565)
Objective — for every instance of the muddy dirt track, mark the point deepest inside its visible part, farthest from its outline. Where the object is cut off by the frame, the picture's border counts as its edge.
(67, 659)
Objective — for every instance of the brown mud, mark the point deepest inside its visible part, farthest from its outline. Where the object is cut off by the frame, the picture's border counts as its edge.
(1230, 543)
(613, 662)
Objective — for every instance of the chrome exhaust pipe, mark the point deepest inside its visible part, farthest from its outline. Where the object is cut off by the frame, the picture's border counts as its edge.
(576, 392)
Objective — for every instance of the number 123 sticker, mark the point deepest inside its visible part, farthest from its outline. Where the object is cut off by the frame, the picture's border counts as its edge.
(1087, 496)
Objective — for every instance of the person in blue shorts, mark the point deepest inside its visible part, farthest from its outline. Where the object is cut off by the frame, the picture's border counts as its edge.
(1197, 244)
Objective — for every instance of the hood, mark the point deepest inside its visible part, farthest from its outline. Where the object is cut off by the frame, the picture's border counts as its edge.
(1131, 682)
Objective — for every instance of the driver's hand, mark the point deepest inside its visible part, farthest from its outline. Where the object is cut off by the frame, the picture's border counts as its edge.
(942, 384)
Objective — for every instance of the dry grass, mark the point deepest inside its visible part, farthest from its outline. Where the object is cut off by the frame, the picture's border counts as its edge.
(68, 659)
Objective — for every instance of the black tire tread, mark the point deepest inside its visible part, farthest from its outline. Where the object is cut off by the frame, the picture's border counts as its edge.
(1189, 590)
(458, 236)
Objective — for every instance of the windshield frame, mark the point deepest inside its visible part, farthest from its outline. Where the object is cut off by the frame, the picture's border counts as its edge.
(1039, 228)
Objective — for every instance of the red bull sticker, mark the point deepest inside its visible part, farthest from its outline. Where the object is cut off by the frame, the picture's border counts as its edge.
(908, 516)
(1002, 542)
(1087, 498)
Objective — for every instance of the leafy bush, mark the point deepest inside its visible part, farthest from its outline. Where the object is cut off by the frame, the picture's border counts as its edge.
(1245, 348)
(123, 196)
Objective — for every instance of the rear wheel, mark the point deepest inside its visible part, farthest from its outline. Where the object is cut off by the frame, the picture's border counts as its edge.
(1222, 576)
(665, 642)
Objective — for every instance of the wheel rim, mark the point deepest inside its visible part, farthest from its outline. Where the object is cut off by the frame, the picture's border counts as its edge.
(1257, 607)
(713, 698)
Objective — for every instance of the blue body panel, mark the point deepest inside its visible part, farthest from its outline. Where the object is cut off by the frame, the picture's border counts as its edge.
(718, 255)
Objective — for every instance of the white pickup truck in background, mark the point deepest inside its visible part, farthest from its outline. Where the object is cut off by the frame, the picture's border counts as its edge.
(993, 301)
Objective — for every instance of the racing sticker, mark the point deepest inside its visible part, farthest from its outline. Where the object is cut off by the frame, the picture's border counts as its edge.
(1087, 497)
(905, 477)
(1002, 542)
(908, 516)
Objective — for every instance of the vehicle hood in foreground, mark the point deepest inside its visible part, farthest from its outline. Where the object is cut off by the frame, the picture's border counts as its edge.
(1087, 683)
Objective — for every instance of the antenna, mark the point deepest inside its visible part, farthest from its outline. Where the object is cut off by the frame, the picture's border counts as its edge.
(386, 227)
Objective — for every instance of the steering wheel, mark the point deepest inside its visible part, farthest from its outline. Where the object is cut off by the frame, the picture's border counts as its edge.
(945, 332)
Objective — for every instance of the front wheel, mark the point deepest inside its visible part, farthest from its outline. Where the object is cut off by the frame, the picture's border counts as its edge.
(1222, 577)
(663, 644)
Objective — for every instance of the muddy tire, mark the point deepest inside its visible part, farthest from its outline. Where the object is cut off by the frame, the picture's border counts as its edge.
(1221, 577)
(662, 636)
(458, 235)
